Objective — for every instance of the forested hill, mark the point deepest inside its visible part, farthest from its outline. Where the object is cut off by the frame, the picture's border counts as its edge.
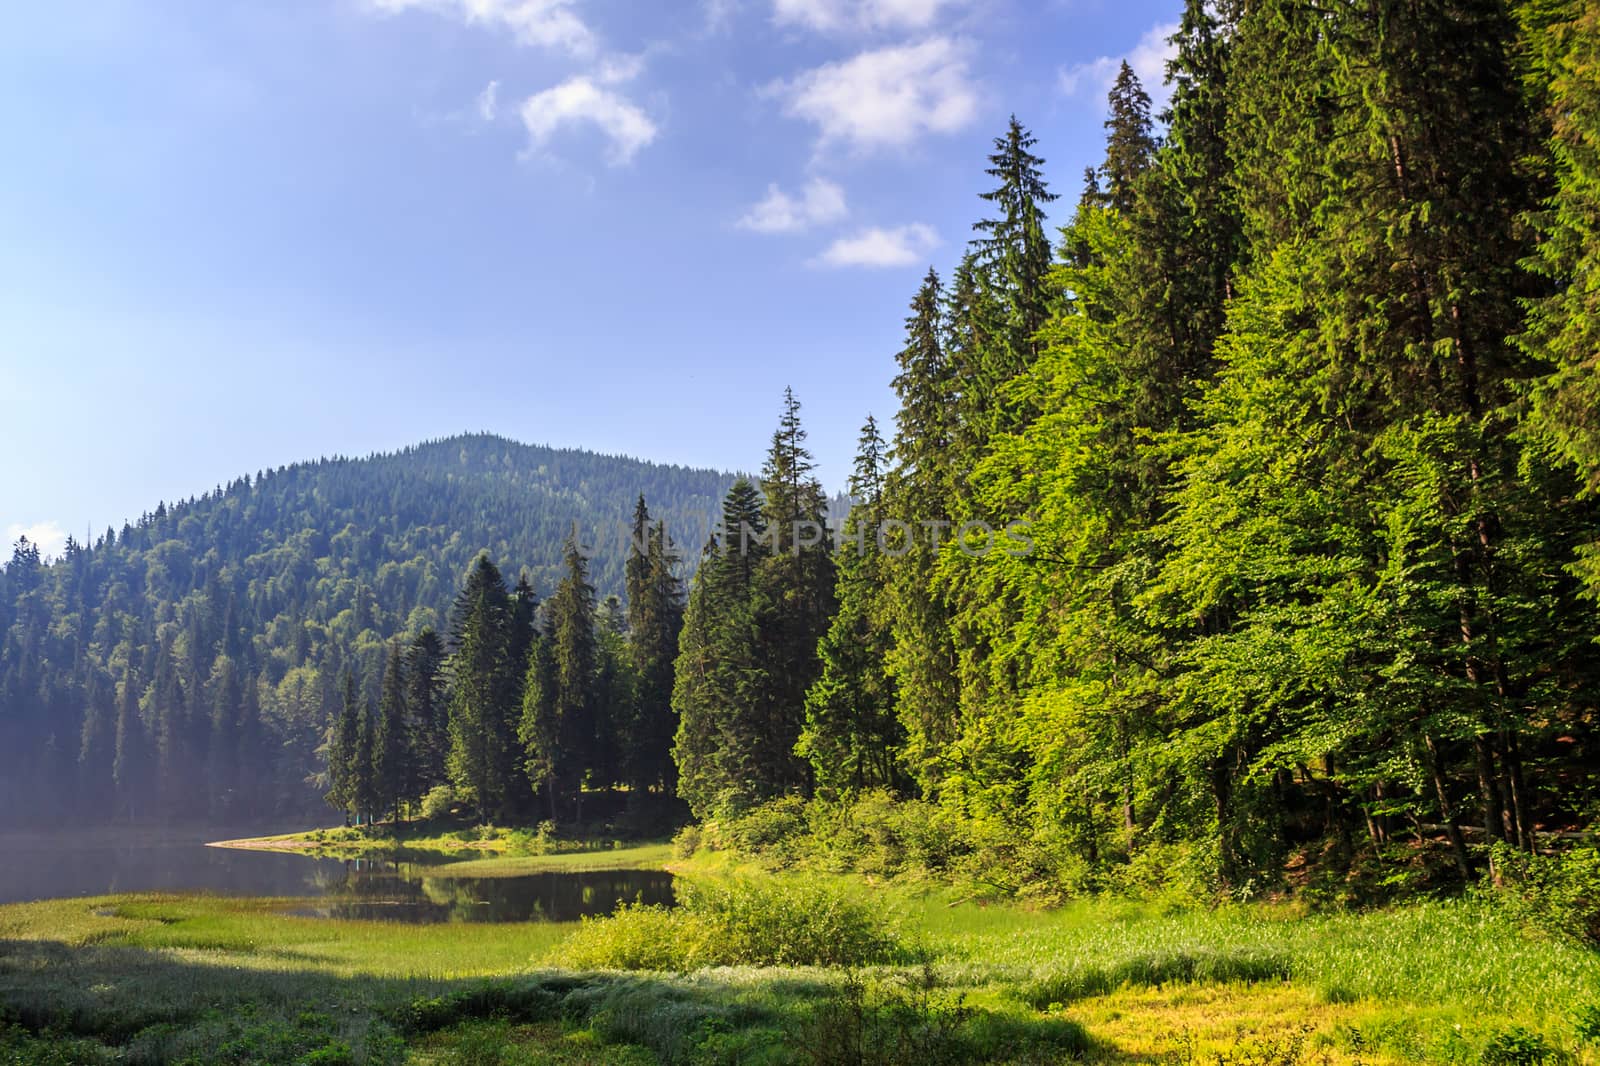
(281, 579)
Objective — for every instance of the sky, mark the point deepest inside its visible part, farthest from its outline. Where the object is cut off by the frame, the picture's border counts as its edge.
(236, 235)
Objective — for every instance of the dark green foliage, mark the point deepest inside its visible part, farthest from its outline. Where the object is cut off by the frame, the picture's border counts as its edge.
(291, 575)
(852, 735)
(760, 602)
(393, 777)
(486, 688)
(654, 623)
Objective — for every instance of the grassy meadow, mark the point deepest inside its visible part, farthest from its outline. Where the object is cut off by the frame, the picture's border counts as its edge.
(779, 968)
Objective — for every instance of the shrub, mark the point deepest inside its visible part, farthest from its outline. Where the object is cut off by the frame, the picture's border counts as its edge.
(686, 842)
(1559, 894)
(754, 923)
(1515, 1046)
(769, 922)
(438, 802)
(758, 829)
(1586, 1023)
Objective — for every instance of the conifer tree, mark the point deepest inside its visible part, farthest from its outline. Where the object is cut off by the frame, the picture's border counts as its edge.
(919, 494)
(344, 749)
(794, 601)
(391, 751)
(852, 737)
(1129, 144)
(573, 654)
(485, 693)
(719, 676)
(654, 622)
(131, 765)
(430, 736)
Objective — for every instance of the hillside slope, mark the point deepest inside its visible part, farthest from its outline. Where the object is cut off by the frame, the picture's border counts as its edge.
(135, 670)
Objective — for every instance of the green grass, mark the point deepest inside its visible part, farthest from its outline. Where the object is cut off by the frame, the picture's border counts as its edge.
(638, 857)
(161, 978)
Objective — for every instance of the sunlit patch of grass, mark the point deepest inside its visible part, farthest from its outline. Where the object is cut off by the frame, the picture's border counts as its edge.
(255, 933)
(158, 977)
(641, 857)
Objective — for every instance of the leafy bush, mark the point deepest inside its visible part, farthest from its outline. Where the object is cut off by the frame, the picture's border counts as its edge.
(1515, 1046)
(438, 802)
(686, 842)
(1586, 1023)
(1559, 894)
(754, 923)
(755, 830)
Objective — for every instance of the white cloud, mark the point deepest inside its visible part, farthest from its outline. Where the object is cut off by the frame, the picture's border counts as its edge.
(489, 101)
(888, 97)
(832, 16)
(877, 247)
(579, 101)
(48, 537)
(821, 202)
(1148, 59)
(542, 23)
(616, 69)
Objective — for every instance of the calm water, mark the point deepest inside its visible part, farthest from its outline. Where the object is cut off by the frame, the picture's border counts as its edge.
(96, 864)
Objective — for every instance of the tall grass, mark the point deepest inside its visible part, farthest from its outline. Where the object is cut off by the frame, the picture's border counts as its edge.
(740, 922)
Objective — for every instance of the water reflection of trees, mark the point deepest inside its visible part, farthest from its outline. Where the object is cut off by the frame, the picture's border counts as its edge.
(403, 891)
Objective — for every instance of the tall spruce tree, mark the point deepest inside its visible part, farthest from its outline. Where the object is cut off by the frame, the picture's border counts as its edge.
(720, 677)
(485, 695)
(794, 601)
(919, 494)
(427, 711)
(654, 622)
(391, 749)
(852, 736)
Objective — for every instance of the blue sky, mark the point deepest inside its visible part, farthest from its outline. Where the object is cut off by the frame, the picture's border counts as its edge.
(237, 234)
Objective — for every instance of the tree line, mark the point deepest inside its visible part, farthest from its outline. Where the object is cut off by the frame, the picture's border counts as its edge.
(525, 705)
(1303, 408)
(1300, 409)
(188, 665)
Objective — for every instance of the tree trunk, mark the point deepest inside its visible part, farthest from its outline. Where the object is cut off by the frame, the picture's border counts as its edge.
(1453, 829)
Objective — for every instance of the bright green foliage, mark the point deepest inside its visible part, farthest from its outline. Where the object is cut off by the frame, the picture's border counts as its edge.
(1563, 46)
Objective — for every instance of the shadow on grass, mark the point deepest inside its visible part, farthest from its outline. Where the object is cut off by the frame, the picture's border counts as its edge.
(98, 1003)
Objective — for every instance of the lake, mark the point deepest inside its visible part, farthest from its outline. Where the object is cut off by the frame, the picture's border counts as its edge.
(102, 862)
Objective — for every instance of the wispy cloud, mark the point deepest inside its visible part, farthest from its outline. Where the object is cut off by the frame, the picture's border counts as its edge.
(543, 23)
(821, 202)
(589, 99)
(887, 97)
(489, 101)
(48, 537)
(582, 102)
(834, 16)
(1148, 58)
(880, 248)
